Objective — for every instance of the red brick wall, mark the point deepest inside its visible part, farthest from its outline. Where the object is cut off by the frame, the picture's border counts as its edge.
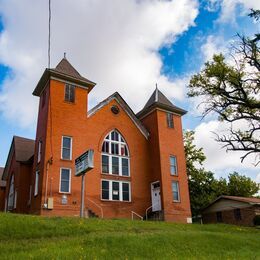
(228, 217)
(44, 112)
(149, 159)
(165, 142)
(71, 120)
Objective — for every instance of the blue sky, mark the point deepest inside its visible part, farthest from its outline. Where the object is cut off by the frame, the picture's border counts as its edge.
(211, 29)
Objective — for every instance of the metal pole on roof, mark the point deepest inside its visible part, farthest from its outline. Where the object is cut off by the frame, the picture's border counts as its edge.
(49, 36)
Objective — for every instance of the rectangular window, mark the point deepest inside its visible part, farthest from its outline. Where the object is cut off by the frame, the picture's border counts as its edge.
(219, 216)
(115, 148)
(65, 175)
(105, 147)
(105, 164)
(175, 191)
(115, 190)
(115, 165)
(39, 151)
(125, 167)
(105, 190)
(173, 165)
(170, 123)
(237, 214)
(36, 184)
(66, 147)
(69, 93)
(126, 192)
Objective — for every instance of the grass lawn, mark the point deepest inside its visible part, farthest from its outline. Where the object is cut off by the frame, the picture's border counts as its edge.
(27, 237)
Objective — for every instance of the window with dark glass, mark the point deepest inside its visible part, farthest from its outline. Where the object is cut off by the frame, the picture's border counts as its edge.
(237, 214)
(69, 93)
(65, 180)
(219, 216)
(105, 164)
(173, 165)
(170, 122)
(66, 147)
(125, 187)
(115, 190)
(125, 167)
(115, 165)
(115, 155)
(175, 191)
(105, 190)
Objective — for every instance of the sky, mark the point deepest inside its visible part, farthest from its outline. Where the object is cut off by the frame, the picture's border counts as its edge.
(126, 46)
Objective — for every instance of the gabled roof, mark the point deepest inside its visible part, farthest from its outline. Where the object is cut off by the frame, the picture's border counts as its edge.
(126, 108)
(159, 100)
(64, 71)
(2, 183)
(249, 200)
(23, 149)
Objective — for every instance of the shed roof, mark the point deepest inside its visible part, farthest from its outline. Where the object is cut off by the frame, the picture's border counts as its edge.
(249, 200)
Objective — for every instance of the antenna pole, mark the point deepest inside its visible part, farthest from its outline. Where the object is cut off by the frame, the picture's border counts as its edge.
(49, 36)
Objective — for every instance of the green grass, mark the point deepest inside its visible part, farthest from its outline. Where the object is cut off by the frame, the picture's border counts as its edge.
(33, 237)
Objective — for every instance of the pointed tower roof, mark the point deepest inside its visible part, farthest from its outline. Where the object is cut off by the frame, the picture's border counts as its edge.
(159, 100)
(65, 71)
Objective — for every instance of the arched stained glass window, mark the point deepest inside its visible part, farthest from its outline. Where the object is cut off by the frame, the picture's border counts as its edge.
(115, 155)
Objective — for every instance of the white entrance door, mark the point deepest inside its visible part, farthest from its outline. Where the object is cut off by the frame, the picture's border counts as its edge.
(156, 196)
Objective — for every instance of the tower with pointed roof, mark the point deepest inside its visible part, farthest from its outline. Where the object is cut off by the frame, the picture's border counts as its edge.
(163, 121)
(139, 162)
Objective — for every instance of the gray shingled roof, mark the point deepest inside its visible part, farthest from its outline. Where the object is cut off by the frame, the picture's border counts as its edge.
(158, 99)
(65, 71)
(24, 148)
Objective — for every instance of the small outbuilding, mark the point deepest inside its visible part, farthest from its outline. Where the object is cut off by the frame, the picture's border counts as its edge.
(232, 210)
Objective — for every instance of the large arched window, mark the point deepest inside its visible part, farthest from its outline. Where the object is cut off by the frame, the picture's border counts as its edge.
(115, 155)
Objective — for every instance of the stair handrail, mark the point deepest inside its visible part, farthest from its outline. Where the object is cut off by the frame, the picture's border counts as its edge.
(134, 213)
(102, 215)
(146, 211)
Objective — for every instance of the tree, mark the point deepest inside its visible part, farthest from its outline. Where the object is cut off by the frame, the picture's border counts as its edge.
(232, 91)
(203, 186)
(239, 185)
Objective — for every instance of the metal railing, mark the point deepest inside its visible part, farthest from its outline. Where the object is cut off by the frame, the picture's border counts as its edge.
(101, 210)
(146, 211)
(134, 213)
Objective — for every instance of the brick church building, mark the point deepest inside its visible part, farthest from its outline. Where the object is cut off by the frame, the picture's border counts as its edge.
(139, 162)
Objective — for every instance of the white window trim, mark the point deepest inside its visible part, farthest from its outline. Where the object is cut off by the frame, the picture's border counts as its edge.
(65, 192)
(179, 196)
(176, 165)
(110, 155)
(36, 183)
(71, 141)
(120, 191)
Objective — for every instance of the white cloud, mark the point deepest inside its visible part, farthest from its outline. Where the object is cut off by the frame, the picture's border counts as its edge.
(229, 8)
(113, 43)
(217, 157)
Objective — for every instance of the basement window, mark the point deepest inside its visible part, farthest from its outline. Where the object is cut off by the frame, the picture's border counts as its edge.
(70, 93)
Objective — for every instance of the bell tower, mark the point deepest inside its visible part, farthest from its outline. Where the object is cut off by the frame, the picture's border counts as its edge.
(167, 158)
